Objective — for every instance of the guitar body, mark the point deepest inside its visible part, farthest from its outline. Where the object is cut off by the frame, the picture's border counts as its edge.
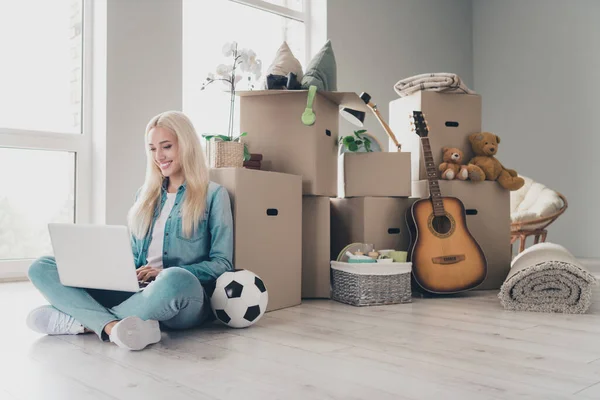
(445, 257)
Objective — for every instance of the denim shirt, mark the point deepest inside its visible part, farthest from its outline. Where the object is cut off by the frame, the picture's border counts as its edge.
(209, 251)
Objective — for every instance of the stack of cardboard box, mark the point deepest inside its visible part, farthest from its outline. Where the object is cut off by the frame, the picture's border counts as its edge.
(451, 118)
(282, 212)
(374, 193)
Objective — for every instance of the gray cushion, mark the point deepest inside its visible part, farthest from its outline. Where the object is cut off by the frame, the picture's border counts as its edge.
(322, 70)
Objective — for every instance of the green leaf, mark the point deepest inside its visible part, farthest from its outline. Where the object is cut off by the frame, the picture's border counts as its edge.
(246, 153)
(360, 131)
(224, 138)
(358, 142)
(243, 134)
(208, 137)
(368, 146)
(353, 147)
(348, 140)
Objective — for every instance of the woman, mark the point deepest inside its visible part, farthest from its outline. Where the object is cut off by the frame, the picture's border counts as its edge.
(182, 239)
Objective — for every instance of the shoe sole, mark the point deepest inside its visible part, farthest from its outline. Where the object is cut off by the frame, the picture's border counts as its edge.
(133, 333)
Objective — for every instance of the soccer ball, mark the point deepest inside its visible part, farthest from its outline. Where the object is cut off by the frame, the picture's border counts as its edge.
(240, 298)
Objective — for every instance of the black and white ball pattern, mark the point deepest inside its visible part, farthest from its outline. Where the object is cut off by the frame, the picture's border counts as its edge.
(240, 298)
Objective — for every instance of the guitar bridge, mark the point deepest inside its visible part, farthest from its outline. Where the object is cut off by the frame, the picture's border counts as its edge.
(448, 259)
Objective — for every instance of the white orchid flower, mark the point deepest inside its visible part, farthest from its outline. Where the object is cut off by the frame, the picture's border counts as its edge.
(256, 69)
(237, 79)
(224, 70)
(210, 76)
(228, 49)
(251, 56)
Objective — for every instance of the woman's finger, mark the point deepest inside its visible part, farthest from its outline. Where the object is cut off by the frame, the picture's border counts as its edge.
(142, 274)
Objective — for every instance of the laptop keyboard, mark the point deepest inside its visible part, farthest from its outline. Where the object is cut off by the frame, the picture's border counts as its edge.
(143, 284)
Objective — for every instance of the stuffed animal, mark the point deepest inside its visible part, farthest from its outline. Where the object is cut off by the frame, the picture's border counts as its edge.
(452, 167)
(485, 166)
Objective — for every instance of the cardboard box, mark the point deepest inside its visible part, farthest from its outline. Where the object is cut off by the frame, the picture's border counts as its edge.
(377, 174)
(379, 221)
(272, 119)
(488, 218)
(451, 118)
(267, 213)
(316, 281)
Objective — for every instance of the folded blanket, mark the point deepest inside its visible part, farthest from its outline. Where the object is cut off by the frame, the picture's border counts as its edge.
(437, 82)
(546, 277)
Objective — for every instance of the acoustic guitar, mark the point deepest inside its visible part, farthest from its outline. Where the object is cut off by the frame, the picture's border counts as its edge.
(445, 257)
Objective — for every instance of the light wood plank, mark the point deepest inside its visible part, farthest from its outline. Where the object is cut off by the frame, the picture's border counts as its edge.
(591, 392)
(496, 370)
(402, 385)
(105, 374)
(464, 346)
(515, 339)
(227, 374)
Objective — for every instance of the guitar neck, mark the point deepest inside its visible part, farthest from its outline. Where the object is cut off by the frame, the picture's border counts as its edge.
(432, 179)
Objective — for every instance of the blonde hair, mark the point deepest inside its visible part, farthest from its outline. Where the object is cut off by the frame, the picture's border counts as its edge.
(194, 170)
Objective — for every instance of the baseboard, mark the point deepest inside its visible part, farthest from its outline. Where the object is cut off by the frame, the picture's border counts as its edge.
(15, 279)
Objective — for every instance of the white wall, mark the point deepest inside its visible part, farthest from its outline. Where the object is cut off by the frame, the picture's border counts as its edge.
(536, 65)
(142, 56)
(377, 43)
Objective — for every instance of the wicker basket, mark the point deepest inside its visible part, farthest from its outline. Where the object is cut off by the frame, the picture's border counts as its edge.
(225, 154)
(371, 284)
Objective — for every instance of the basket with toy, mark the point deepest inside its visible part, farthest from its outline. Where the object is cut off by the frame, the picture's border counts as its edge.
(372, 279)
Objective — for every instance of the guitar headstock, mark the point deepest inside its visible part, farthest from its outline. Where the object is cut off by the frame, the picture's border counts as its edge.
(419, 124)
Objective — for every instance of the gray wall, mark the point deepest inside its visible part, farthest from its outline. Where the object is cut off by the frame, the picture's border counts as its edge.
(536, 65)
(142, 58)
(378, 42)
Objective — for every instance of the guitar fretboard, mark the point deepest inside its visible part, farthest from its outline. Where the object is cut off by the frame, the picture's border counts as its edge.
(432, 179)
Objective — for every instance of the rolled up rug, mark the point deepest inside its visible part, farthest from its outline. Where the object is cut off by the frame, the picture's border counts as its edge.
(546, 277)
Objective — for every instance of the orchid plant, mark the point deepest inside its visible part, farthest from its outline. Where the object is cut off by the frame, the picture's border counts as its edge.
(244, 64)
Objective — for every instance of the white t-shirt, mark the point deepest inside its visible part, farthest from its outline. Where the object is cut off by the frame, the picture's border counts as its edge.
(155, 249)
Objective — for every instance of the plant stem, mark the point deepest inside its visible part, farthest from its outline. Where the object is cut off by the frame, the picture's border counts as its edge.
(232, 105)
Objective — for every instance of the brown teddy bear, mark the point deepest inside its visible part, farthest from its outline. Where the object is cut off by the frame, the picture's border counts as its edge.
(485, 166)
(452, 167)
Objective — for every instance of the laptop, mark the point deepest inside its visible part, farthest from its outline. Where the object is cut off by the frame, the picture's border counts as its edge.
(94, 256)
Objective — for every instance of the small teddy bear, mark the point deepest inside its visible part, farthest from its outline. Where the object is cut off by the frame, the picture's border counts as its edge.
(452, 166)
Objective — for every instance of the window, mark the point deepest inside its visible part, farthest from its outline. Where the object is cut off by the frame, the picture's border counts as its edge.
(44, 140)
(259, 25)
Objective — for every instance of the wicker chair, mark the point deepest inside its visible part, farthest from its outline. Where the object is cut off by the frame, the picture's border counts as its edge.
(523, 229)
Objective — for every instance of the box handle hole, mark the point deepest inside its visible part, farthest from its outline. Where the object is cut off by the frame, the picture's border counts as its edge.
(452, 124)
(394, 231)
(471, 211)
(327, 132)
(272, 211)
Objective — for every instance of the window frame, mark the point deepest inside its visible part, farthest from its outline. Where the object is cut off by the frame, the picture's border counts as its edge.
(78, 143)
(300, 16)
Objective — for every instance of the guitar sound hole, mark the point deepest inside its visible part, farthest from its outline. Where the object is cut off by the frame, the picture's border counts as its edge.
(441, 225)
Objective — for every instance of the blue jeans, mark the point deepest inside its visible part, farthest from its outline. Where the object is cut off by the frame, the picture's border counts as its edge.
(176, 299)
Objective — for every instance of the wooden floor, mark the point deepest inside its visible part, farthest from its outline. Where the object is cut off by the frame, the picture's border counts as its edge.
(466, 347)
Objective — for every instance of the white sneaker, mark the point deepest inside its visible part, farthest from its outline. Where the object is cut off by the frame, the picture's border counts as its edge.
(48, 320)
(133, 333)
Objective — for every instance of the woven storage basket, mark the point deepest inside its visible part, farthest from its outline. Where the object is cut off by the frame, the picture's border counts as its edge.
(225, 154)
(371, 284)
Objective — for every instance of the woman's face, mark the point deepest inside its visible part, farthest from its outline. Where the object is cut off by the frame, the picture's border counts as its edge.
(164, 150)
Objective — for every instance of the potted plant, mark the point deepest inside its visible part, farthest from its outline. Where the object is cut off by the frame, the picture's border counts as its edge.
(228, 150)
(357, 143)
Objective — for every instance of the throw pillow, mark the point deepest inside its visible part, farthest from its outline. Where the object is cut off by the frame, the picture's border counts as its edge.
(322, 70)
(284, 63)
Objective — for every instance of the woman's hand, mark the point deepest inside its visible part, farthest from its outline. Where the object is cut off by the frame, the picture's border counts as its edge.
(147, 273)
